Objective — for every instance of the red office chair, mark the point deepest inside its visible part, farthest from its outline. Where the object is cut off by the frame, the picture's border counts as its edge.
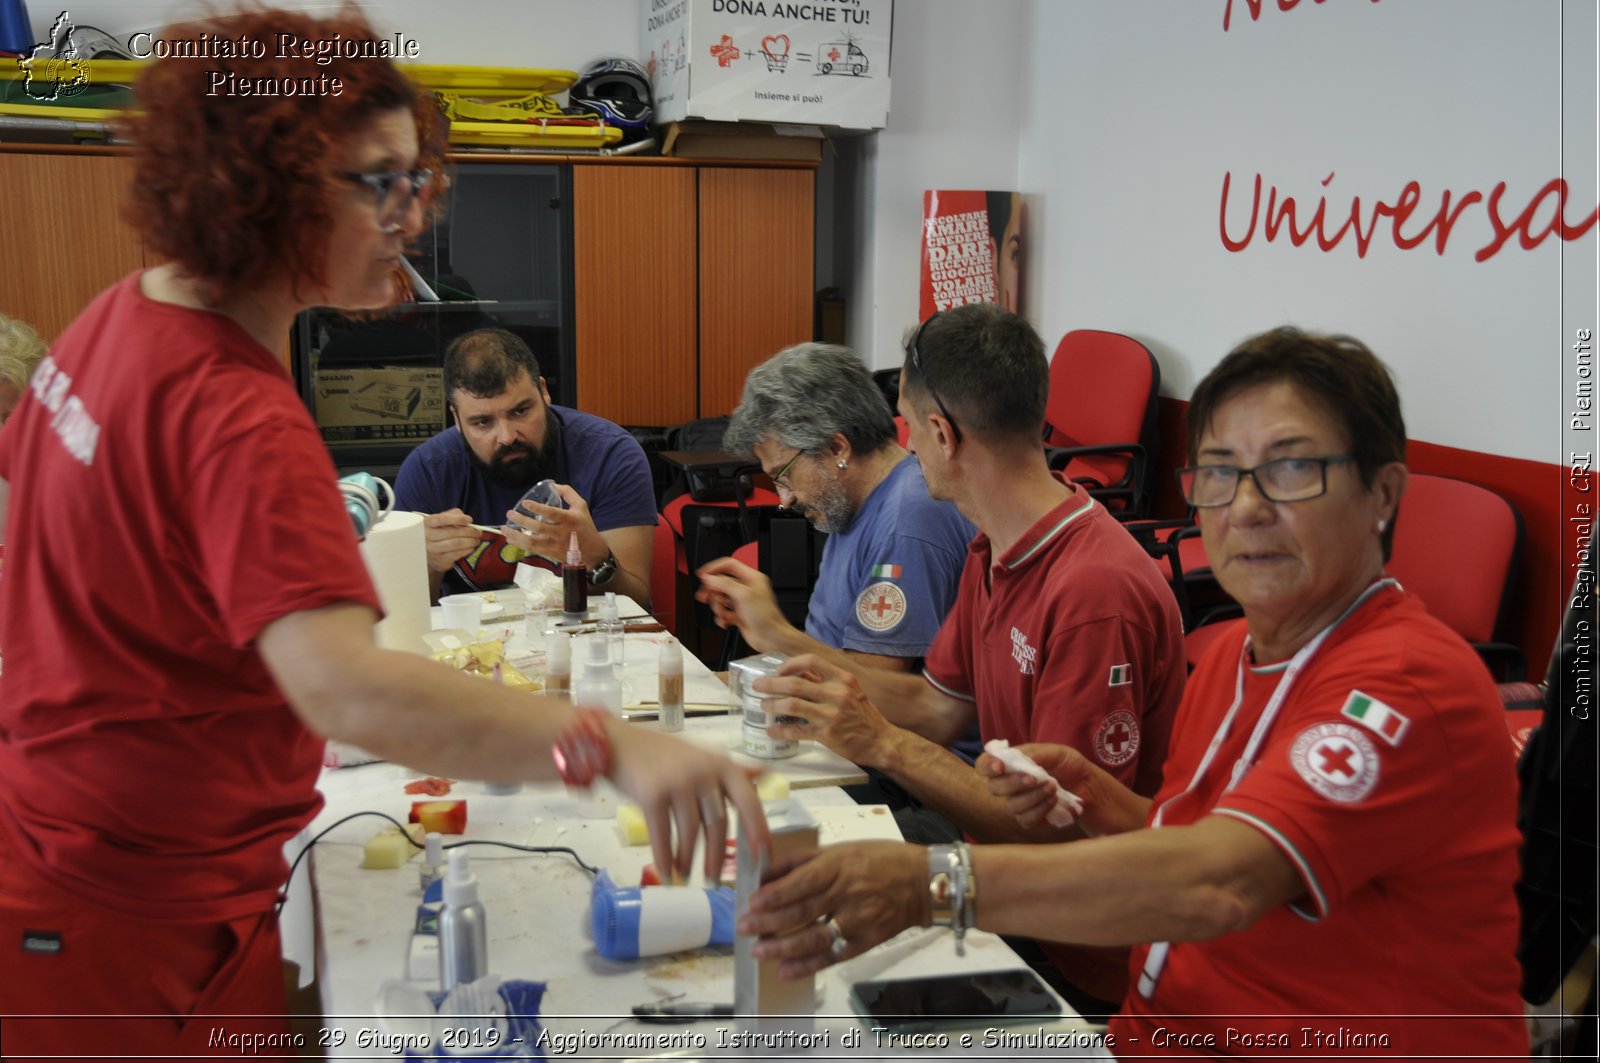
(730, 486)
(1455, 547)
(1100, 417)
(664, 577)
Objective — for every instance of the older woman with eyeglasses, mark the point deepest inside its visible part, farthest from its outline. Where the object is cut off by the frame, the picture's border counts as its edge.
(1328, 866)
(185, 612)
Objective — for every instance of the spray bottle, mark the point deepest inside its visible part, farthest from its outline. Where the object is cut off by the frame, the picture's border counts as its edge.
(463, 929)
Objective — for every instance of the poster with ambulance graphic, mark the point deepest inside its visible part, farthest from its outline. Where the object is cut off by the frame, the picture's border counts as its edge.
(825, 62)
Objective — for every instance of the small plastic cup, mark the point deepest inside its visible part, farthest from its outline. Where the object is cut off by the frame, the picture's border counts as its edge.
(463, 611)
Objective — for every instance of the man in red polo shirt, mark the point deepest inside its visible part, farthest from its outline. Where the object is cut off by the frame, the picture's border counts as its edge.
(1062, 631)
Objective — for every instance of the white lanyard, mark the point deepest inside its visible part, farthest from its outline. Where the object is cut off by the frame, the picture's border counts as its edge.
(1157, 957)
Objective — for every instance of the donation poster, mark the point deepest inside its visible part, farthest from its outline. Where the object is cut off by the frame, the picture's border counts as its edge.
(823, 62)
(973, 249)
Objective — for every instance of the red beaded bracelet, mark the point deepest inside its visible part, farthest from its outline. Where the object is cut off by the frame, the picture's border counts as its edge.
(583, 751)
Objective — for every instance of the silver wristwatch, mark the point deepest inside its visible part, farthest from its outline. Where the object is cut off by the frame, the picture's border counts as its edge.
(602, 573)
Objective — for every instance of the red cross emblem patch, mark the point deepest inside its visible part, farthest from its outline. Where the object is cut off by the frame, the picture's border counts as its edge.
(1336, 760)
(1116, 740)
(881, 606)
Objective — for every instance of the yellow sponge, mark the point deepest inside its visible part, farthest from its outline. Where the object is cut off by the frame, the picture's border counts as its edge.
(389, 848)
(772, 786)
(630, 820)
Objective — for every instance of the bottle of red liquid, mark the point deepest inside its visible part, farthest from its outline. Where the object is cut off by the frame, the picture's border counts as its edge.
(574, 584)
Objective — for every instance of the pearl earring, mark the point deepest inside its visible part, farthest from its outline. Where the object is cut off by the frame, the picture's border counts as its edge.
(1382, 524)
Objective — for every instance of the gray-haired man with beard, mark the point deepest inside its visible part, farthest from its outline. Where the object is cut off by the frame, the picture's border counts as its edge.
(821, 429)
(507, 437)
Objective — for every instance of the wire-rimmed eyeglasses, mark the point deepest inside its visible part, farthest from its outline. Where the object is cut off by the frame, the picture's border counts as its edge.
(1279, 480)
(780, 478)
(927, 382)
(393, 190)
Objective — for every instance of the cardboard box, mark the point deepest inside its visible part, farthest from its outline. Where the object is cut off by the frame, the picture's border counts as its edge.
(743, 140)
(822, 62)
(765, 1002)
(379, 405)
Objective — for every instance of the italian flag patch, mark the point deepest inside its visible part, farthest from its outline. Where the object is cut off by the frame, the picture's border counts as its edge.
(1377, 717)
(1121, 675)
(886, 571)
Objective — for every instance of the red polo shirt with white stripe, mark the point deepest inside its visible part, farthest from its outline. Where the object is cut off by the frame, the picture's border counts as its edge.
(1072, 637)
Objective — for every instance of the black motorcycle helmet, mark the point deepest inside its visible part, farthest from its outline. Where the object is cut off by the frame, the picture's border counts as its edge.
(617, 91)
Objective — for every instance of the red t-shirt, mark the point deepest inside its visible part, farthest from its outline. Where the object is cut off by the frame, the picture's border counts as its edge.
(169, 497)
(1071, 637)
(1386, 779)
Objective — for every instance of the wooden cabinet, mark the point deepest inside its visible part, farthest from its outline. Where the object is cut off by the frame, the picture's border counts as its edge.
(634, 293)
(685, 274)
(62, 237)
(685, 277)
(757, 246)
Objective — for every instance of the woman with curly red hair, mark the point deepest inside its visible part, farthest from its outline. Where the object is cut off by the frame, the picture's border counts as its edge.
(168, 684)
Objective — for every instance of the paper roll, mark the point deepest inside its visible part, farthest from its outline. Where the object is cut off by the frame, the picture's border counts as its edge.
(397, 559)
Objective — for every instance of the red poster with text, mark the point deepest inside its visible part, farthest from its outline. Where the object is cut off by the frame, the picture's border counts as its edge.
(972, 249)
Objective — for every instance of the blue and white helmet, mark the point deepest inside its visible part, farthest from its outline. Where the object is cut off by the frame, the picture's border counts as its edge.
(618, 92)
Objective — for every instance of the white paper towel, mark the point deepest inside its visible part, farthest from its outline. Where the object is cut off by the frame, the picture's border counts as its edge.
(397, 558)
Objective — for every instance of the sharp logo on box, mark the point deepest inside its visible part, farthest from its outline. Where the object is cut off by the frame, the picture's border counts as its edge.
(387, 400)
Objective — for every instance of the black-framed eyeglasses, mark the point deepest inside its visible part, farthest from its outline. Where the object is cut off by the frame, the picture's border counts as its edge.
(393, 190)
(779, 479)
(1279, 480)
(916, 363)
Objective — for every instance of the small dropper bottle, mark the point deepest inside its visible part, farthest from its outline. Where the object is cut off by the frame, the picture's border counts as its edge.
(611, 627)
(669, 669)
(599, 687)
(574, 584)
(432, 860)
(558, 665)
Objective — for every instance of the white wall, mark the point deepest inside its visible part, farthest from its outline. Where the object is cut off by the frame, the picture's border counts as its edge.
(954, 122)
(1128, 115)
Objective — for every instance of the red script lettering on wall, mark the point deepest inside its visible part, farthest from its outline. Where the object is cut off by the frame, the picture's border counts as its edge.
(1284, 215)
(1254, 7)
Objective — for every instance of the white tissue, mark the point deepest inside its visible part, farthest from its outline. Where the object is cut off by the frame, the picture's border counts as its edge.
(1068, 804)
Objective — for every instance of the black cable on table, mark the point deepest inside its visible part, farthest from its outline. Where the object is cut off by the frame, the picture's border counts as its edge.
(284, 897)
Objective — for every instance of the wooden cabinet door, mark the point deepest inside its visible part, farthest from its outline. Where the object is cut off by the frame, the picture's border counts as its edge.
(633, 256)
(62, 239)
(757, 246)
